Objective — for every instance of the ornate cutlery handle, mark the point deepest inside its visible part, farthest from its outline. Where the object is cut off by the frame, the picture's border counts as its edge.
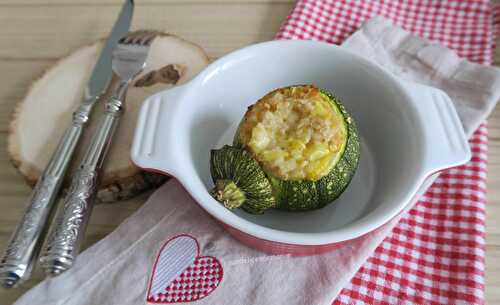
(18, 259)
(65, 239)
(64, 242)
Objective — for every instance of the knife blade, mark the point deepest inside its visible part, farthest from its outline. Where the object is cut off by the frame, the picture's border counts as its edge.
(101, 75)
(24, 246)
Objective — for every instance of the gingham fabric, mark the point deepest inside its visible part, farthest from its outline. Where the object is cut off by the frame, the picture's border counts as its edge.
(435, 255)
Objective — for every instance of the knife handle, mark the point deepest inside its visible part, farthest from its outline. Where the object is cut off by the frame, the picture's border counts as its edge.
(65, 238)
(19, 256)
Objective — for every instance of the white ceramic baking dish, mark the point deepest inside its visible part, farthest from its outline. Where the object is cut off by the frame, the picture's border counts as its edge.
(408, 131)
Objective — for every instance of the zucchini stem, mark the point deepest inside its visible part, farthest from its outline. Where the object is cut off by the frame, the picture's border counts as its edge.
(228, 193)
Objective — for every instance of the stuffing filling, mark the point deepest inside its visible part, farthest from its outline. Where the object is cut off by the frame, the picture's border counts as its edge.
(295, 133)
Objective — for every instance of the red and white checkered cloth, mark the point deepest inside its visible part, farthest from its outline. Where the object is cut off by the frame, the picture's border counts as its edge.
(435, 255)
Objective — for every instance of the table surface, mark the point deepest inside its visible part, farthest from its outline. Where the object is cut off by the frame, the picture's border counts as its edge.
(35, 33)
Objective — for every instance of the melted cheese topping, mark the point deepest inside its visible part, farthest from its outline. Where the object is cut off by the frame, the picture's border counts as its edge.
(295, 133)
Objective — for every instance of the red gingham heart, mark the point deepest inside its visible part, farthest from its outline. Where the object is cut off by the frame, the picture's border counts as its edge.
(180, 274)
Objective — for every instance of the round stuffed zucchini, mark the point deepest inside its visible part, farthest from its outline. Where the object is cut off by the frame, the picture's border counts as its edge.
(296, 149)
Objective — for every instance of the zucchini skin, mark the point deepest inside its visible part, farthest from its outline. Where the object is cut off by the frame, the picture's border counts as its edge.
(264, 191)
(234, 165)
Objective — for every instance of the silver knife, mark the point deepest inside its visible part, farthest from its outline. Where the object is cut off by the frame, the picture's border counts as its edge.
(19, 257)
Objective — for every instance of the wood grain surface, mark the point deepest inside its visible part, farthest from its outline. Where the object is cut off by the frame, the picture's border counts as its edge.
(35, 33)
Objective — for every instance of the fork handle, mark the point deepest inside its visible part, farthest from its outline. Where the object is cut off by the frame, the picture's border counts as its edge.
(65, 238)
(18, 259)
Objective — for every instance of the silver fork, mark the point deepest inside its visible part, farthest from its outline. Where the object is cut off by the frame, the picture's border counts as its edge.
(65, 238)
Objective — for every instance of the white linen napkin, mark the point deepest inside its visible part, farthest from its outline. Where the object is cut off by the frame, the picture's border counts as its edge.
(201, 263)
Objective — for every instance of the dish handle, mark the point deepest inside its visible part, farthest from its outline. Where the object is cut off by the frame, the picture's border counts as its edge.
(152, 143)
(444, 136)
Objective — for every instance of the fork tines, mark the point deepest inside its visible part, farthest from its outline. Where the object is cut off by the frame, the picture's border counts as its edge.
(141, 37)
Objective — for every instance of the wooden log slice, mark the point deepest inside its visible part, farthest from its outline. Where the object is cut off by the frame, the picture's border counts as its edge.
(41, 118)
